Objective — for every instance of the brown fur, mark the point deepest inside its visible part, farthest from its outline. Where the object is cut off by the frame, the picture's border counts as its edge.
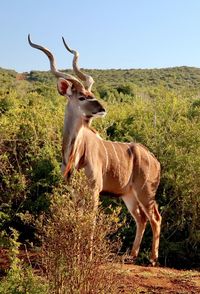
(129, 171)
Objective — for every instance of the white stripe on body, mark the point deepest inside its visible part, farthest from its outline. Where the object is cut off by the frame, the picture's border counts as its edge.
(106, 153)
(112, 143)
(148, 173)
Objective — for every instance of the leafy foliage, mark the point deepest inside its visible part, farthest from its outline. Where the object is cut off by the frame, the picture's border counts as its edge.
(158, 108)
(20, 279)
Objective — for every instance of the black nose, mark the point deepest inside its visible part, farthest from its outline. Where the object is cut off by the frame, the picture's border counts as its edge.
(102, 109)
(98, 107)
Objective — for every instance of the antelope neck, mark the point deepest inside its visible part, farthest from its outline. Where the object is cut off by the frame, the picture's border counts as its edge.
(71, 130)
(73, 146)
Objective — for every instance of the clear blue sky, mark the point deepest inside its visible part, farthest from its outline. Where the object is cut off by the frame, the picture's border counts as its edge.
(107, 33)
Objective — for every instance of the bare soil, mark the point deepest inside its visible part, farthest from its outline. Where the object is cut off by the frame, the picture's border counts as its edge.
(134, 279)
(140, 279)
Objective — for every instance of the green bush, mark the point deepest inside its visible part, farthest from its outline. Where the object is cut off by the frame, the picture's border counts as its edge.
(158, 108)
(20, 279)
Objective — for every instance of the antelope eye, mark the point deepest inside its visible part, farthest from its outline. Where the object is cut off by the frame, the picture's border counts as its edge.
(81, 98)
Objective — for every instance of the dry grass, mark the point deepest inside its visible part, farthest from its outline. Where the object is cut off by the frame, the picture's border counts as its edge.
(67, 243)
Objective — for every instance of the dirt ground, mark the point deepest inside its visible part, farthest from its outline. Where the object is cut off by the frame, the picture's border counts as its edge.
(134, 279)
(140, 279)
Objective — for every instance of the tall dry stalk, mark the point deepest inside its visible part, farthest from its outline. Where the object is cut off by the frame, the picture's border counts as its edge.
(67, 242)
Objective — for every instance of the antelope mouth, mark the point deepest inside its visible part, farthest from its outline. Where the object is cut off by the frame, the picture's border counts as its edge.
(99, 114)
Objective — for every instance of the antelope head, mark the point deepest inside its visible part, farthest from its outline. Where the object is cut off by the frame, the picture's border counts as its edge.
(81, 101)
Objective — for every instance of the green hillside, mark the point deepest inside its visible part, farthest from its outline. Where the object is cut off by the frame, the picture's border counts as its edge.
(184, 77)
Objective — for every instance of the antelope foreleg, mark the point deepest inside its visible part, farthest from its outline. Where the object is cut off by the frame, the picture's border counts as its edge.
(155, 221)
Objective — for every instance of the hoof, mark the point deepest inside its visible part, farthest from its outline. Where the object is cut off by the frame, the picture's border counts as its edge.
(154, 263)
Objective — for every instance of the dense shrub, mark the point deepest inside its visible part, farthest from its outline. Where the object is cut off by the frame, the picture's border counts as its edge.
(20, 278)
(165, 118)
(64, 257)
(66, 243)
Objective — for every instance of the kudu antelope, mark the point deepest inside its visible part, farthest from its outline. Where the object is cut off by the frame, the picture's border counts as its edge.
(126, 170)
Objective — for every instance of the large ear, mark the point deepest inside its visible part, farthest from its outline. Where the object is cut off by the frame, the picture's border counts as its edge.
(64, 87)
